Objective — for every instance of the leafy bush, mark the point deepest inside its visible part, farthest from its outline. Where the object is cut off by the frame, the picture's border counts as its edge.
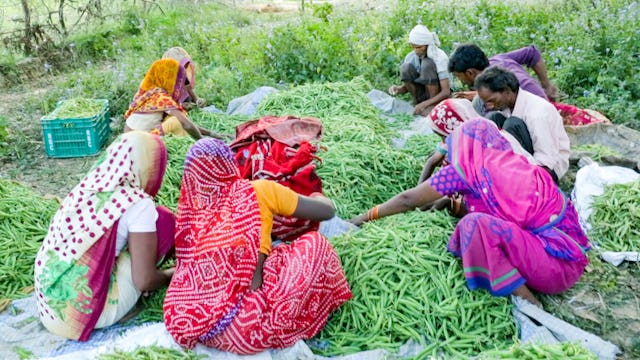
(589, 47)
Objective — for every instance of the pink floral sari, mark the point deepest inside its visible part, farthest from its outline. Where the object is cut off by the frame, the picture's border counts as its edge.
(521, 228)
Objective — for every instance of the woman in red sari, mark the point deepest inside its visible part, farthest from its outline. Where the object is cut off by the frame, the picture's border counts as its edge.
(231, 290)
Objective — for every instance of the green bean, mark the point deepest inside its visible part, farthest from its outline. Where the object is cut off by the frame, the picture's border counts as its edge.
(615, 219)
(151, 352)
(24, 221)
(76, 108)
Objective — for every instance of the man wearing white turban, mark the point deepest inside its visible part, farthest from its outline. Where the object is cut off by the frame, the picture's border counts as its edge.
(424, 73)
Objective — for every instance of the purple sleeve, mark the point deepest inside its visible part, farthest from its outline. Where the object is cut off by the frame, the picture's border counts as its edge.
(528, 56)
(446, 181)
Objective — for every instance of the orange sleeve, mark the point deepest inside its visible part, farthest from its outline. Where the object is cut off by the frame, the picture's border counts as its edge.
(273, 199)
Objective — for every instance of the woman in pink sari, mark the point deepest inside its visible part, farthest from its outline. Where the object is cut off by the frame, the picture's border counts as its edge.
(231, 290)
(104, 241)
(520, 233)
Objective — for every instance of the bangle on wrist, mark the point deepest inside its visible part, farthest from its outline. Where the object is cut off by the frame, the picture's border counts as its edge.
(372, 214)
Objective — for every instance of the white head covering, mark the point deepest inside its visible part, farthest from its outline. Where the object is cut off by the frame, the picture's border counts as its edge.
(420, 35)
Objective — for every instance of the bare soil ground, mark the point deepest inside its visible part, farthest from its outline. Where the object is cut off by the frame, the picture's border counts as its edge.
(28, 162)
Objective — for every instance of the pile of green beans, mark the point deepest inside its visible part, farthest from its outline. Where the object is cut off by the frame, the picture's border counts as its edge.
(169, 193)
(323, 101)
(615, 219)
(151, 308)
(361, 167)
(218, 123)
(595, 151)
(24, 221)
(531, 351)
(76, 108)
(407, 286)
(154, 352)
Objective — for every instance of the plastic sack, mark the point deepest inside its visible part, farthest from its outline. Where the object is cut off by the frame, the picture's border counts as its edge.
(248, 104)
(619, 138)
(389, 104)
(591, 181)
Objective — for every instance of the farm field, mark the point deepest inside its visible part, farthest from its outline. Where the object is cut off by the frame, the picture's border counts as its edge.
(331, 53)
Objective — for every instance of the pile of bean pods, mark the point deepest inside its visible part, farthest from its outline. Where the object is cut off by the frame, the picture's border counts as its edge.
(360, 167)
(595, 151)
(76, 108)
(24, 220)
(532, 351)
(177, 147)
(615, 219)
(154, 352)
(406, 286)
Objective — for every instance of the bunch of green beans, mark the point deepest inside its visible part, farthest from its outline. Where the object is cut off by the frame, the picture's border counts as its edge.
(153, 352)
(323, 101)
(615, 219)
(169, 193)
(531, 351)
(152, 308)
(24, 221)
(358, 176)
(76, 108)
(218, 123)
(407, 286)
(596, 151)
(361, 167)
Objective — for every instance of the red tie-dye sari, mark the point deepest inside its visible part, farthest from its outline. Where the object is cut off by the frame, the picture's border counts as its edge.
(218, 227)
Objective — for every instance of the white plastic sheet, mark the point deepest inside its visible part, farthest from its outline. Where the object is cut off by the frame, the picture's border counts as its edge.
(552, 330)
(389, 104)
(590, 182)
(248, 104)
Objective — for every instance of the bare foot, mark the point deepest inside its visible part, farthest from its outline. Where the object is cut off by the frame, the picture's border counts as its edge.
(524, 292)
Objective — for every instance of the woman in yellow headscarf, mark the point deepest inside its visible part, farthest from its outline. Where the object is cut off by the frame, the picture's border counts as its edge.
(188, 95)
(156, 106)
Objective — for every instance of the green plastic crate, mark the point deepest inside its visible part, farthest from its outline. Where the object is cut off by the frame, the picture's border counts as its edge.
(76, 137)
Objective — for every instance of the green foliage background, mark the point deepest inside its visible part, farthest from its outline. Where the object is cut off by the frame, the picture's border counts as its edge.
(590, 47)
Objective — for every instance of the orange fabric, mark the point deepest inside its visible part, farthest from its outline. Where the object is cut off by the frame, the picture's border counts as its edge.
(273, 198)
(160, 89)
(163, 74)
